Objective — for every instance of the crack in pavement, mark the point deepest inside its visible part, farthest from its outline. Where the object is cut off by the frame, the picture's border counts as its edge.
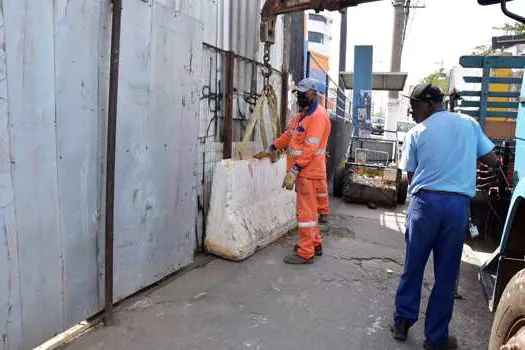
(361, 259)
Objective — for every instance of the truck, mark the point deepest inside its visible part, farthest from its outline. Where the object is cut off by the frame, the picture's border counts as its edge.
(503, 275)
(498, 210)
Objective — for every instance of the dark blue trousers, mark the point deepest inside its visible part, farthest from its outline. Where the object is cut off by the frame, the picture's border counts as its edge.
(436, 223)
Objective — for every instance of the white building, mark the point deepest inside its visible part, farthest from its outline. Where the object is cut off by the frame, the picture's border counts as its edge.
(319, 27)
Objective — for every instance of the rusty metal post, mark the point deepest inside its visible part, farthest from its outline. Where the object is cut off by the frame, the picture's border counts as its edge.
(327, 90)
(228, 105)
(284, 100)
(110, 160)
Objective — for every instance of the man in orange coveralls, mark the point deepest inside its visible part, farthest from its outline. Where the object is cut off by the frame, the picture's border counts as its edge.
(305, 139)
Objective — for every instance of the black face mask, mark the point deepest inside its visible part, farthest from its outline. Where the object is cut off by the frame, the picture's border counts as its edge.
(302, 100)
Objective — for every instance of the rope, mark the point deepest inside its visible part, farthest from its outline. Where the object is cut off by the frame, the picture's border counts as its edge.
(269, 98)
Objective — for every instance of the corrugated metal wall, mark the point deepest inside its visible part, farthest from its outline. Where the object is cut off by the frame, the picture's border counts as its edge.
(53, 95)
(51, 165)
(155, 186)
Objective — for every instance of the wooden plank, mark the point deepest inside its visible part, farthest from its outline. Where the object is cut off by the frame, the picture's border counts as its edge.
(490, 104)
(492, 61)
(490, 94)
(503, 80)
(473, 80)
(493, 80)
(80, 152)
(471, 61)
(490, 114)
(517, 62)
(31, 90)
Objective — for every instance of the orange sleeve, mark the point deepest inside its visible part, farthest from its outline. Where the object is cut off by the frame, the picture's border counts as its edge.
(313, 139)
(282, 141)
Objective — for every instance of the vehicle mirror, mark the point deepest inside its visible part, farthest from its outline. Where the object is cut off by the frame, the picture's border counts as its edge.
(490, 2)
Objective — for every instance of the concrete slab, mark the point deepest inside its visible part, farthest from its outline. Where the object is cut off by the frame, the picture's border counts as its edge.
(249, 209)
(343, 301)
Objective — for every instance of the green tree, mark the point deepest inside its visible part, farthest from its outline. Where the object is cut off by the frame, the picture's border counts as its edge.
(483, 50)
(439, 78)
(513, 28)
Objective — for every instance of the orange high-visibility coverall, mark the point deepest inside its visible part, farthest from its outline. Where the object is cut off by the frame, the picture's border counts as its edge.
(323, 200)
(306, 139)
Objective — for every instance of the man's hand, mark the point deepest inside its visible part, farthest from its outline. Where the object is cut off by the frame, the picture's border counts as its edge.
(491, 159)
(272, 152)
(273, 155)
(261, 155)
(289, 180)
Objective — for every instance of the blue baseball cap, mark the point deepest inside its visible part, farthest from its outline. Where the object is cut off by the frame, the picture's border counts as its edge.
(306, 84)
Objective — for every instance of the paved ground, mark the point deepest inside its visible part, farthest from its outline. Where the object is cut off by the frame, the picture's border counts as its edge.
(343, 301)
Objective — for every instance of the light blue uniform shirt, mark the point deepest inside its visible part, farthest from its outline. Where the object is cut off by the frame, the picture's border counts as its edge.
(442, 152)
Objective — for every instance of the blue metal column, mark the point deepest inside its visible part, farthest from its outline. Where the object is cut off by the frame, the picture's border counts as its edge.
(484, 99)
(362, 88)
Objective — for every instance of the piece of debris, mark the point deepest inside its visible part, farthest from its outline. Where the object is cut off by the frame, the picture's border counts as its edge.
(371, 205)
(200, 295)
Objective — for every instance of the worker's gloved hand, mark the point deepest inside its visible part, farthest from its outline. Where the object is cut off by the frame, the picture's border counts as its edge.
(271, 153)
(261, 155)
(289, 179)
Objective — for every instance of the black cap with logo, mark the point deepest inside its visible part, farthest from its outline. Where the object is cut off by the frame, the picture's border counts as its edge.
(426, 92)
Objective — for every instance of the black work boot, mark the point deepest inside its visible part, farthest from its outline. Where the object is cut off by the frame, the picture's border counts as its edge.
(323, 218)
(452, 343)
(400, 330)
(295, 259)
(318, 249)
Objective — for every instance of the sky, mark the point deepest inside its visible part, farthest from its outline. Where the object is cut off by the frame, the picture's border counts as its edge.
(437, 35)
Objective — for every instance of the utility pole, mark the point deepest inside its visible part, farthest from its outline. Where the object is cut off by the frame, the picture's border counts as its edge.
(401, 11)
(401, 15)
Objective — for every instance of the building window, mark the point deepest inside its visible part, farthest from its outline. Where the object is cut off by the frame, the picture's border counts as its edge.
(316, 17)
(316, 37)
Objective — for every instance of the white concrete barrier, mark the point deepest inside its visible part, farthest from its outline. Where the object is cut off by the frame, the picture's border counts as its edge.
(248, 207)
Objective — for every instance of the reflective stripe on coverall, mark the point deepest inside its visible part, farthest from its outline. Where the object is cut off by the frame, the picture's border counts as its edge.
(323, 200)
(305, 139)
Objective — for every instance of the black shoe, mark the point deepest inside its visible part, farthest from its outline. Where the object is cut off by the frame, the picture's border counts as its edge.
(318, 249)
(400, 330)
(452, 343)
(323, 218)
(295, 259)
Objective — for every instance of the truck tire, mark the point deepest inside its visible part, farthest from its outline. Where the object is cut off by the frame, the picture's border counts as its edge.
(510, 314)
(402, 190)
(339, 179)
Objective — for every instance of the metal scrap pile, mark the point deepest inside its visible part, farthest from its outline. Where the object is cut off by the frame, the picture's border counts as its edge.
(373, 181)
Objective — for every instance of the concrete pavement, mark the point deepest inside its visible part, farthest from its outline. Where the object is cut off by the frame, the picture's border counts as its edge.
(343, 301)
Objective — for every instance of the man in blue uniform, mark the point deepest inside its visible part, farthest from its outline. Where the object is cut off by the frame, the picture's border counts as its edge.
(440, 156)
